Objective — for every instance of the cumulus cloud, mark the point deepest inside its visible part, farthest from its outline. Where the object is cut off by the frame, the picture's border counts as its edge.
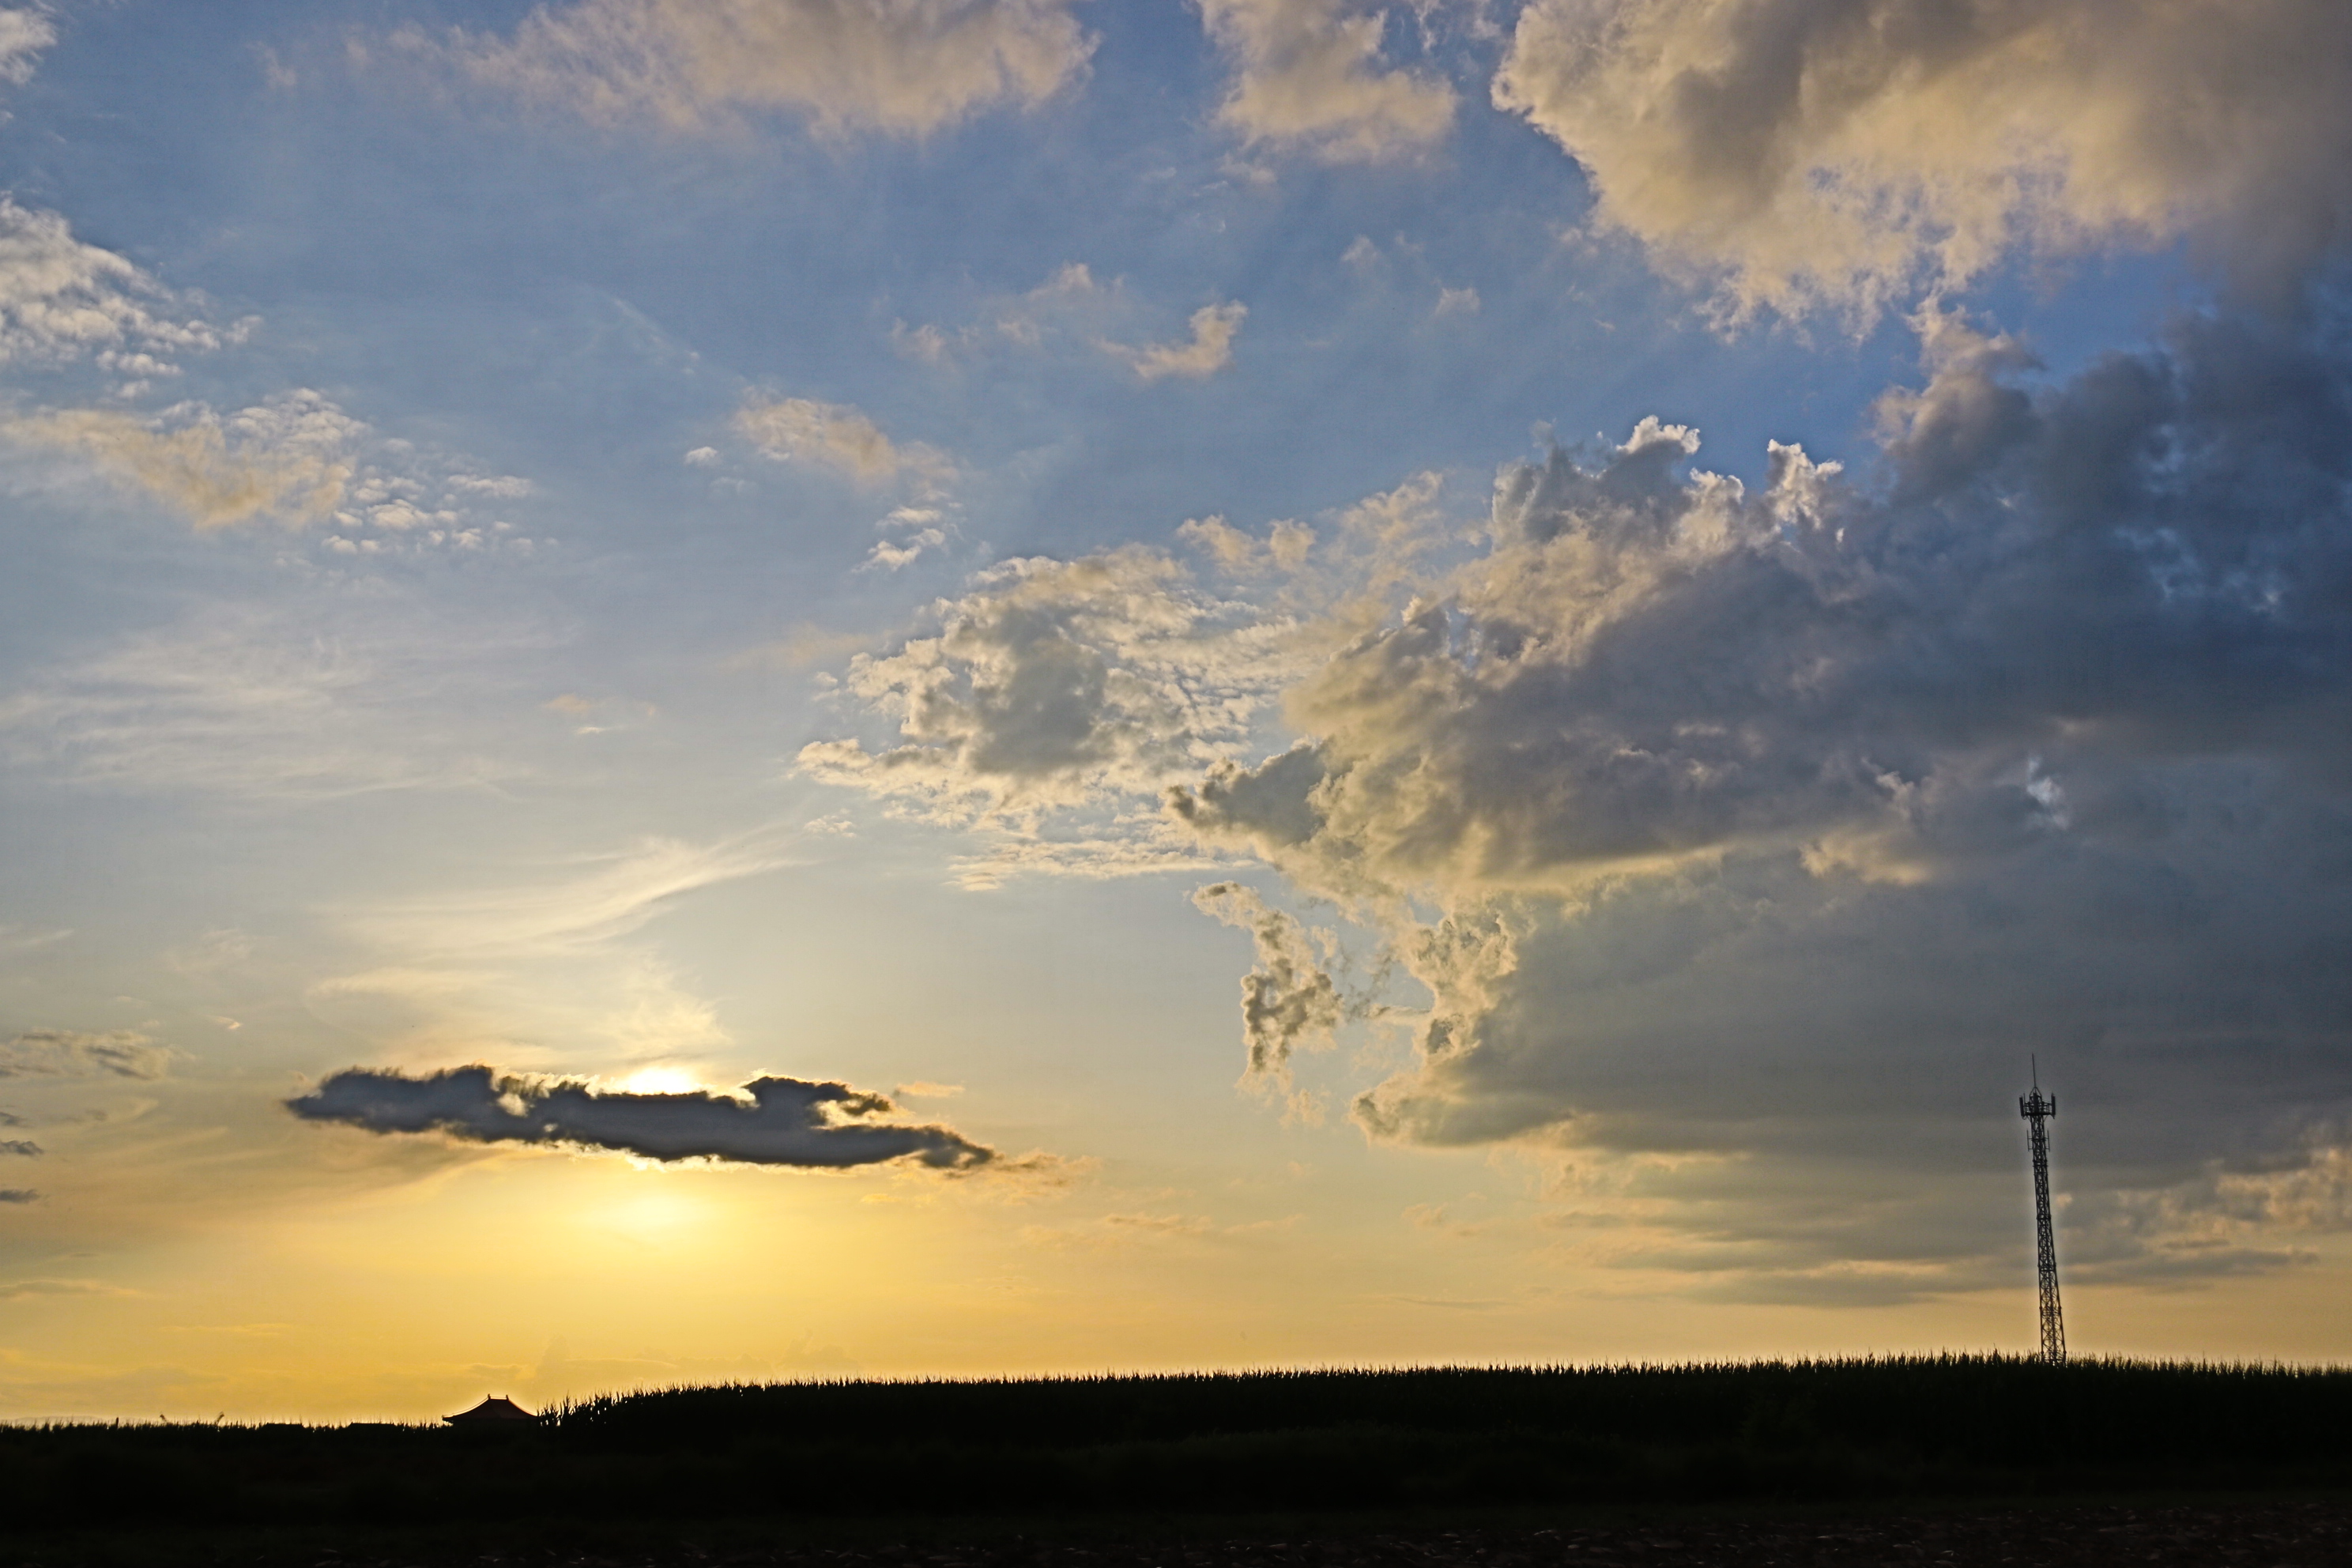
(833, 436)
(1768, 828)
(1210, 350)
(23, 33)
(1059, 683)
(772, 1122)
(73, 1053)
(1309, 73)
(64, 300)
(902, 66)
(1741, 832)
(1288, 1002)
(1808, 153)
(20, 1146)
(296, 459)
(286, 462)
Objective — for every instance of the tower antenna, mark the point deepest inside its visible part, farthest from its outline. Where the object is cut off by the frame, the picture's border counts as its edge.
(2036, 1107)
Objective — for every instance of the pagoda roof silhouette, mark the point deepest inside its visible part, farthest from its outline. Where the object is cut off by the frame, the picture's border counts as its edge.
(496, 1408)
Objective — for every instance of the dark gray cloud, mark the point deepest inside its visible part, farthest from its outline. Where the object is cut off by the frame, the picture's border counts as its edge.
(1769, 831)
(73, 1053)
(18, 1195)
(24, 1146)
(778, 1120)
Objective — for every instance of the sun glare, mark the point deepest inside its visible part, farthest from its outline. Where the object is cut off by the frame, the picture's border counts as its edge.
(661, 1081)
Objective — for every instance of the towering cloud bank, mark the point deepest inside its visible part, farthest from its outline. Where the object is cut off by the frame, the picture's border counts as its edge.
(778, 1121)
(1723, 824)
(1744, 840)
(1837, 151)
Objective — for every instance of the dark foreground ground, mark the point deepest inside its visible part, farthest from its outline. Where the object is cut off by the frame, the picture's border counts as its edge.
(2304, 1533)
(1945, 1461)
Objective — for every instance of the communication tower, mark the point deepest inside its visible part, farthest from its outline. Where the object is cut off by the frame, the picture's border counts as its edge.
(2037, 1107)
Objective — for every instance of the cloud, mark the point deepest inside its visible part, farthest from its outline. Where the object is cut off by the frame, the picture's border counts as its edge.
(296, 459)
(1308, 74)
(25, 1289)
(833, 436)
(1768, 828)
(601, 899)
(23, 33)
(62, 299)
(890, 66)
(328, 700)
(72, 1053)
(18, 1195)
(777, 1120)
(1814, 153)
(284, 463)
(1288, 1000)
(23, 1146)
(1059, 683)
(1745, 836)
(1214, 327)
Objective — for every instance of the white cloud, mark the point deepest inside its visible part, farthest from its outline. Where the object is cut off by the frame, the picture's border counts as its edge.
(904, 66)
(835, 435)
(62, 299)
(286, 462)
(1059, 683)
(1210, 350)
(1811, 153)
(23, 33)
(1308, 74)
(296, 459)
(601, 899)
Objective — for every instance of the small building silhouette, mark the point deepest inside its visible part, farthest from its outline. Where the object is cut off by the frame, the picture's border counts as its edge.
(496, 1410)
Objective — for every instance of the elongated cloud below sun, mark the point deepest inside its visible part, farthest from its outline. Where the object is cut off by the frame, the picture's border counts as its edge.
(1822, 152)
(908, 67)
(777, 1120)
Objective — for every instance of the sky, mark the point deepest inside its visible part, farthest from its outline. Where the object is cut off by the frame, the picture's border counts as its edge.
(704, 689)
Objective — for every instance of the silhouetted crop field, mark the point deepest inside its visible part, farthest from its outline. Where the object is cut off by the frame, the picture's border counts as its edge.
(1322, 1444)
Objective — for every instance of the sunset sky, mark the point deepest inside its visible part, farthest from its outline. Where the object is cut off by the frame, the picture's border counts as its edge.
(1054, 686)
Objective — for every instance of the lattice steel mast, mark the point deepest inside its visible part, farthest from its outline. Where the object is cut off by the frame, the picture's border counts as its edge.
(2036, 1107)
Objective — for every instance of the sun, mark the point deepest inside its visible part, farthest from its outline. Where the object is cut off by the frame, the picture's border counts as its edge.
(661, 1081)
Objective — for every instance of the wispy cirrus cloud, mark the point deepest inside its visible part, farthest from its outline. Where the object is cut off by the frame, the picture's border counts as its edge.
(77, 1053)
(308, 701)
